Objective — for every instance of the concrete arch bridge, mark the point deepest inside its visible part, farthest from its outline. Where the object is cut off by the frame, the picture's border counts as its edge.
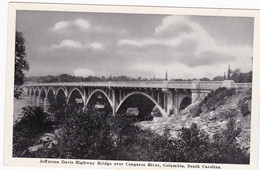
(168, 96)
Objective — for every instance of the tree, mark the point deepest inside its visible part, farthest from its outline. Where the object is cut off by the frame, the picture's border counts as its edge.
(240, 77)
(204, 79)
(218, 78)
(21, 63)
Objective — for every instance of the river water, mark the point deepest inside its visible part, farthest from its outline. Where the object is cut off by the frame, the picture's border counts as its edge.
(18, 105)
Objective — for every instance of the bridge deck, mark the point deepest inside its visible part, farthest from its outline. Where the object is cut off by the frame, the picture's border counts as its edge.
(150, 84)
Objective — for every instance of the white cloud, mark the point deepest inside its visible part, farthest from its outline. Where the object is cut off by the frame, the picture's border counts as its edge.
(182, 34)
(67, 43)
(138, 43)
(75, 44)
(96, 46)
(168, 21)
(81, 23)
(145, 42)
(83, 72)
(60, 25)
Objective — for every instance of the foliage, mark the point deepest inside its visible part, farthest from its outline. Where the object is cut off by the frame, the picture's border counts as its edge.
(21, 63)
(17, 92)
(218, 78)
(244, 106)
(215, 99)
(240, 77)
(60, 109)
(86, 136)
(193, 145)
(34, 122)
(117, 138)
(204, 79)
(226, 148)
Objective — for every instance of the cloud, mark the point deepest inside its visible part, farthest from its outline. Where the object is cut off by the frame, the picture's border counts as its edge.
(60, 25)
(96, 46)
(173, 26)
(182, 40)
(79, 23)
(83, 72)
(146, 42)
(78, 45)
(67, 43)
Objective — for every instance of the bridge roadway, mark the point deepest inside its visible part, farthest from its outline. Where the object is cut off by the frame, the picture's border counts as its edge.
(168, 96)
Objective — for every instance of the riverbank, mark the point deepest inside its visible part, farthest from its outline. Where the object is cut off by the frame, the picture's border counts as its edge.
(18, 105)
(210, 115)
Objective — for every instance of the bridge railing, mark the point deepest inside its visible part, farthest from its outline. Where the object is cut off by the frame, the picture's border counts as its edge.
(243, 85)
(137, 84)
(210, 84)
(153, 84)
(180, 84)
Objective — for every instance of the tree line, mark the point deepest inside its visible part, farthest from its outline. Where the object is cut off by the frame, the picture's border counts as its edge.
(237, 76)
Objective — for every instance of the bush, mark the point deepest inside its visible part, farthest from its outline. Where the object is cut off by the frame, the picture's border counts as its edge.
(193, 145)
(96, 136)
(26, 131)
(86, 136)
(226, 148)
(18, 91)
(244, 106)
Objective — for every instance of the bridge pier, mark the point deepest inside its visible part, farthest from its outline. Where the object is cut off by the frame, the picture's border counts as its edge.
(38, 101)
(29, 100)
(114, 106)
(46, 104)
(168, 103)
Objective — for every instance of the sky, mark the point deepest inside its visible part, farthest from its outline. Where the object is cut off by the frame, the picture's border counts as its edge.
(135, 45)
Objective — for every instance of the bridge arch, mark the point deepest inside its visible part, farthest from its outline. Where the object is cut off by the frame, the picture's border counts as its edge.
(32, 92)
(43, 92)
(58, 91)
(186, 101)
(49, 90)
(27, 91)
(37, 91)
(146, 95)
(101, 91)
(73, 90)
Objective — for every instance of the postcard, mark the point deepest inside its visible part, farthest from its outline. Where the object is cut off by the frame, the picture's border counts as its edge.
(132, 87)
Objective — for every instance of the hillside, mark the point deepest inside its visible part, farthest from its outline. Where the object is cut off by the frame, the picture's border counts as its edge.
(211, 114)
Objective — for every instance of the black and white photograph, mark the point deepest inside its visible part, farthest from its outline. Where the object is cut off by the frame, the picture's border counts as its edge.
(132, 89)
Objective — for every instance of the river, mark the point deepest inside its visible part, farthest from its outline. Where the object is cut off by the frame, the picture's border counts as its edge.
(18, 105)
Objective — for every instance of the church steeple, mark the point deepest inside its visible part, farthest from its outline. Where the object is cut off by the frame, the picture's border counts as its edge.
(166, 76)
